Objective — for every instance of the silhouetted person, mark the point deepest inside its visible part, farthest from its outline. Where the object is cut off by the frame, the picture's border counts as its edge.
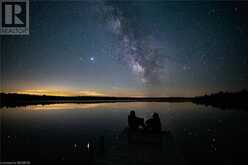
(153, 124)
(134, 122)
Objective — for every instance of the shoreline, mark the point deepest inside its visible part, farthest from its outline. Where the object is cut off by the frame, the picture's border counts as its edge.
(235, 100)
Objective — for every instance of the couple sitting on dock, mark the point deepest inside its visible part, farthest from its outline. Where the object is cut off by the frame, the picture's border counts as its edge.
(151, 125)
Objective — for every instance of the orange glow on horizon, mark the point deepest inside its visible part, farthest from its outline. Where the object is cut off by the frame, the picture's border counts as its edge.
(53, 92)
(43, 92)
(115, 92)
(61, 91)
(90, 93)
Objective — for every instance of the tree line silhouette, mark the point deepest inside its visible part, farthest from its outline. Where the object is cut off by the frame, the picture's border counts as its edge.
(15, 99)
(223, 100)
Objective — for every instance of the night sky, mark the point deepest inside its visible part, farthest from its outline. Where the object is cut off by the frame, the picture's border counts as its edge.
(129, 49)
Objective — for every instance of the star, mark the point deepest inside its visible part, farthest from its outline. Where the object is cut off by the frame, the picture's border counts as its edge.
(92, 59)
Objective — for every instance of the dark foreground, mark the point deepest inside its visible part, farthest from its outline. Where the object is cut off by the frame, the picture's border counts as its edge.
(119, 151)
(60, 134)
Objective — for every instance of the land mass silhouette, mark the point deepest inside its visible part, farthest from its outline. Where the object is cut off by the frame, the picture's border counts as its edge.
(222, 100)
(225, 100)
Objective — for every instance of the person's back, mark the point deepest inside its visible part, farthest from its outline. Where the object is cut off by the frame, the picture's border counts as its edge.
(153, 124)
(134, 122)
(156, 124)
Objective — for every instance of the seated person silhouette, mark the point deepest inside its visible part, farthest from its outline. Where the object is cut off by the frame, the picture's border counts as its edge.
(134, 122)
(153, 124)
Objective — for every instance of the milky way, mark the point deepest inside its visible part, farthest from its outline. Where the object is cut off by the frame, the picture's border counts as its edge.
(140, 52)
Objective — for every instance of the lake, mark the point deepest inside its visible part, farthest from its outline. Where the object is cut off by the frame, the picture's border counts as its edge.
(205, 135)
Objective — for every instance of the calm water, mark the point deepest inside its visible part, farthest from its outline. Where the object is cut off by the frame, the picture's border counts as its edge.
(204, 134)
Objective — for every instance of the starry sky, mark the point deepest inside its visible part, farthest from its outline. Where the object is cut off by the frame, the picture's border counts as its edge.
(129, 48)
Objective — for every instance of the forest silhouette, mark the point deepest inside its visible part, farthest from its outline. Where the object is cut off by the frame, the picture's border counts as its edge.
(222, 100)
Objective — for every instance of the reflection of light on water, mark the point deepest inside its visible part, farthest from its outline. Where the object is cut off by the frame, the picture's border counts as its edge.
(88, 146)
(138, 107)
(213, 147)
(62, 106)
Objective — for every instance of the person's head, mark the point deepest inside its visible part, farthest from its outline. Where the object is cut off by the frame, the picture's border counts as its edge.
(132, 113)
(155, 115)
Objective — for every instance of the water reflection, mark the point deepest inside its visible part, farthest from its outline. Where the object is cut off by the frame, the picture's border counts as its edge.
(62, 128)
(64, 106)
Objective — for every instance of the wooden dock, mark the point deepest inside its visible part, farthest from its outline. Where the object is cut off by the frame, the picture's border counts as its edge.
(142, 149)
